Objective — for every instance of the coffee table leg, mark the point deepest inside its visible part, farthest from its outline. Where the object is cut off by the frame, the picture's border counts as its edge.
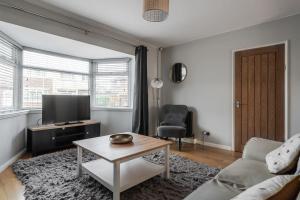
(167, 163)
(79, 161)
(116, 189)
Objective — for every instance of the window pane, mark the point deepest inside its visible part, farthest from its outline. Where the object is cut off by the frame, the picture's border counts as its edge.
(112, 68)
(47, 61)
(6, 85)
(38, 82)
(6, 50)
(111, 91)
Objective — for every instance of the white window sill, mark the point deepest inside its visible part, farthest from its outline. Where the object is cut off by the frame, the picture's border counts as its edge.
(35, 111)
(39, 111)
(12, 114)
(111, 109)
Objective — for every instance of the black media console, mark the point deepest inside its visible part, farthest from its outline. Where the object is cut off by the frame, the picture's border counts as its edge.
(47, 138)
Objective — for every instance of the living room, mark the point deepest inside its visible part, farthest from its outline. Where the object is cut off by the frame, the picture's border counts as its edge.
(203, 94)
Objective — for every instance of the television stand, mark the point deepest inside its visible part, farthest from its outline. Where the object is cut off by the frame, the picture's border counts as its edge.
(67, 123)
(52, 137)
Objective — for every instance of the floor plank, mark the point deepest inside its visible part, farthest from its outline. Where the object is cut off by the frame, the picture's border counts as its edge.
(12, 189)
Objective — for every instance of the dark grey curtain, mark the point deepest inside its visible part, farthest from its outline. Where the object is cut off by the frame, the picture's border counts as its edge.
(140, 115)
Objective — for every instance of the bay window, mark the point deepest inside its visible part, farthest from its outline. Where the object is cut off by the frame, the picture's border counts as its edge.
(52, 74)
(22, 84)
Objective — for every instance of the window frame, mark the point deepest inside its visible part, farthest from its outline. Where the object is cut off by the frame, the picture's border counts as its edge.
(48, 70)
(91, 76)
(94, 64)
(15, 62)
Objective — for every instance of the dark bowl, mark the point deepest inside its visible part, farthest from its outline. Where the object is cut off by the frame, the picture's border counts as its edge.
(121, 138)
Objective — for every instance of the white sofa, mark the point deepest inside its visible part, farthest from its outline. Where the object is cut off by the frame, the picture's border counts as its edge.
(250, 170)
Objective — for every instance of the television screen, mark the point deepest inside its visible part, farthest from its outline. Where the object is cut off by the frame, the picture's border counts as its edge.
(65, 108)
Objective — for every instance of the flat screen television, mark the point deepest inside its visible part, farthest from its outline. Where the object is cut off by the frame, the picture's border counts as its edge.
(65, 109)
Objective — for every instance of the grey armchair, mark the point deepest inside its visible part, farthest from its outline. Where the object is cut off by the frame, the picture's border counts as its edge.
(175, 121)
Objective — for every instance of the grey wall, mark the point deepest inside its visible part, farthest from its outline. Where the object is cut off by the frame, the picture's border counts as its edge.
(112, 121)
(208, 87)
(12, 133)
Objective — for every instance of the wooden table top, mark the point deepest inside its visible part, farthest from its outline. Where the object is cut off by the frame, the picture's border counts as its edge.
(102, 147)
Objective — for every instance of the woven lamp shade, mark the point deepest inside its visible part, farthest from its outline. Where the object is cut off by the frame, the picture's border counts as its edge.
(156, 10)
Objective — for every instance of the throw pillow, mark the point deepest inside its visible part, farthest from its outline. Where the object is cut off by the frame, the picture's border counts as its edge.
(276, 188)
(284, 158)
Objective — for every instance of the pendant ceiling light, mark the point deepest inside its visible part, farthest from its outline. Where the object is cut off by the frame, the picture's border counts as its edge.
(156, 10)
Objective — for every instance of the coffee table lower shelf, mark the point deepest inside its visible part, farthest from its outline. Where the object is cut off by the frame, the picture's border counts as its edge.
(132, 172)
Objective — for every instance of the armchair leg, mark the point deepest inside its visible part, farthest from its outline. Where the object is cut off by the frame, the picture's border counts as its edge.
(179, 144)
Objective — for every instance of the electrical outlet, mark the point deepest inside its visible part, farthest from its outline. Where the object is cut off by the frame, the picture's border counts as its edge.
(206, 133)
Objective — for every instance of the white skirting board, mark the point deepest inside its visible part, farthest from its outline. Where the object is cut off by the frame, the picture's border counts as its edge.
(209, 144)
(12, 160)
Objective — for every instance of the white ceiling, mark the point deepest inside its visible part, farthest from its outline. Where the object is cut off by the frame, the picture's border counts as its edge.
(188, 19)
(48, 42)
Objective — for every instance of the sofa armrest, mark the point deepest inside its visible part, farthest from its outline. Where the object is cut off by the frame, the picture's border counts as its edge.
(258, 148)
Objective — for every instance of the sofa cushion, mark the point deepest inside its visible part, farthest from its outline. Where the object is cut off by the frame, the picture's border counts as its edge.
(285, 157)
(298, 167)
(214, 190)
(244, 173)
(276, 188)
(258, 148)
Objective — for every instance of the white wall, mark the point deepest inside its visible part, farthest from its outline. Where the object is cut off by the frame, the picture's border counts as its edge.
(208, 87)
(12, 136)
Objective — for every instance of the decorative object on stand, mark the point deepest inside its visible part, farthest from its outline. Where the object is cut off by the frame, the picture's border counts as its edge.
(156, 10)
(157, 84)
(178, 73)
(121, 138)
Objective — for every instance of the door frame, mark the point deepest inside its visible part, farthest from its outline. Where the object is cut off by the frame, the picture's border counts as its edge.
(286, 88)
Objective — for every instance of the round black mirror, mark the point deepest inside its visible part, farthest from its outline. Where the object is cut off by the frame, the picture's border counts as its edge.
(178, 72)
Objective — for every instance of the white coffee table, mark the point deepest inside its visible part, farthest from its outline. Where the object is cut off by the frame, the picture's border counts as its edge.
(121, 167)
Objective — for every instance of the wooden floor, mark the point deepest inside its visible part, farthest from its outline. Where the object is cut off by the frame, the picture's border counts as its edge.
(12, 189)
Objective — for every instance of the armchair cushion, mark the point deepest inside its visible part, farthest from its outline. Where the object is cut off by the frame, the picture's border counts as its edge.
(171, 131)
(172, 123)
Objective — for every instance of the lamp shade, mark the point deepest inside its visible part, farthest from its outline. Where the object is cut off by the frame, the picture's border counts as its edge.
(157, 83)
(156, 10)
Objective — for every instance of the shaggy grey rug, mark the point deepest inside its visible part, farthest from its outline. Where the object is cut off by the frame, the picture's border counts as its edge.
(53, 176)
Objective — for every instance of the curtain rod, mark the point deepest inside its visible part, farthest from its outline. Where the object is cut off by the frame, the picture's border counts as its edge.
(86, 32)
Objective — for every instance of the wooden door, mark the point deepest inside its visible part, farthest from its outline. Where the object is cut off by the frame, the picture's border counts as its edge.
(259, 94)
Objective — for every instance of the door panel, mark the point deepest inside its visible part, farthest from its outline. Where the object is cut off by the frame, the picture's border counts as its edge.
(251, 97)
(259, 94)
(264, 97)
(244, 100)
